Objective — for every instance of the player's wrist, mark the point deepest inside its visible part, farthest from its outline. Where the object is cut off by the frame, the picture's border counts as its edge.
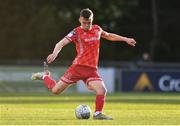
(55, 53)
(126, 39)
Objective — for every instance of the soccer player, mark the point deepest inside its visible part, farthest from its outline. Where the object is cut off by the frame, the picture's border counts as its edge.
(86, 38)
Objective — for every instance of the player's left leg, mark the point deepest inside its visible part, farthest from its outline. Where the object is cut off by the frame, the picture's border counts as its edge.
(99, 87)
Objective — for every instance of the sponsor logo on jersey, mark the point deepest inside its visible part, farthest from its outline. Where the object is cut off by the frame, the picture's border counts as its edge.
(91, 39)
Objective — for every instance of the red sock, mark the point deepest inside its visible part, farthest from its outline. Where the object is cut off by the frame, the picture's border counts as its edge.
(49, 82)
(100, 99)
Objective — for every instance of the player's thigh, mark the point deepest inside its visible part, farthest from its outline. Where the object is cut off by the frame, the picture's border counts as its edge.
(98, 86)
(59, 87)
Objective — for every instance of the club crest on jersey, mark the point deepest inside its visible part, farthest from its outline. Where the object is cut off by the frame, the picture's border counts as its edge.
(71, 33)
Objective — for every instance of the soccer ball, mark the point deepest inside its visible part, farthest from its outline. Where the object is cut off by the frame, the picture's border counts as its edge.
(83, 112)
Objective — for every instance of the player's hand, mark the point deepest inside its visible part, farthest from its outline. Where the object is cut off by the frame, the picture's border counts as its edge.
(51, 58)
(131, 42)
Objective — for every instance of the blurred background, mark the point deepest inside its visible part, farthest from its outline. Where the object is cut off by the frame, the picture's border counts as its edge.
(29, 30)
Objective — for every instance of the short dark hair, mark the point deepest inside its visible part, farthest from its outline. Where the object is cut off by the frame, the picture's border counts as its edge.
(86, 13)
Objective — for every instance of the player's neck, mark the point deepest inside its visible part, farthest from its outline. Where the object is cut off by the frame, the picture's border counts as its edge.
(88, 29)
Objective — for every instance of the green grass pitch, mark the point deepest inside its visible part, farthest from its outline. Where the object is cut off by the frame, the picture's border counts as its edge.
(125, 108)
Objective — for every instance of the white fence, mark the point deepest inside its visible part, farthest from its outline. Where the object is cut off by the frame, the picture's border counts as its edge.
(18, 79)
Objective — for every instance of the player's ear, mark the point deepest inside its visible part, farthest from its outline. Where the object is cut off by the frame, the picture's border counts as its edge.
(79, 19)
(92, 19)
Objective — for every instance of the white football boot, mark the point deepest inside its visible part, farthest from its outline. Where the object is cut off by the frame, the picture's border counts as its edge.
(101, 116)
(39, 75)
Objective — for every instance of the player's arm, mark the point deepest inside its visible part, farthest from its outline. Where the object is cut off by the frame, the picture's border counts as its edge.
(115, 37)
(57, 49)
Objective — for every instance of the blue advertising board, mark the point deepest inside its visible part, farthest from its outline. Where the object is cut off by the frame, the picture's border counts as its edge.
(150, 80)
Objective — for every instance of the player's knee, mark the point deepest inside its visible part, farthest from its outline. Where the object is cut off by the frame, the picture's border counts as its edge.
(101, 91)
(54, 91)
(105, 91)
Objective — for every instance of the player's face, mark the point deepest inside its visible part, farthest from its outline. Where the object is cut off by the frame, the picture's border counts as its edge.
(86, 24)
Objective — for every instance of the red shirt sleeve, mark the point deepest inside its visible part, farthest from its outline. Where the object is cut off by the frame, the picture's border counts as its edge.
(103, 33)
(72, 36)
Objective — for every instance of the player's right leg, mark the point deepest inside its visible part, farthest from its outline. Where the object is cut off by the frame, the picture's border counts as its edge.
(50, 83)
(59, 87)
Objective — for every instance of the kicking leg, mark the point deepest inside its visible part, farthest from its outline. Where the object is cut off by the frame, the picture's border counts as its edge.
(60, 87)
(50, 83)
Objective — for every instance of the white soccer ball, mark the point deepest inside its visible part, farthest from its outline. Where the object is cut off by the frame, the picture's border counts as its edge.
(83, 112)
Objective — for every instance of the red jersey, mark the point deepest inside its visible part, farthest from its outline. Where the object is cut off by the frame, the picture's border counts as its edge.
(87, 45)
